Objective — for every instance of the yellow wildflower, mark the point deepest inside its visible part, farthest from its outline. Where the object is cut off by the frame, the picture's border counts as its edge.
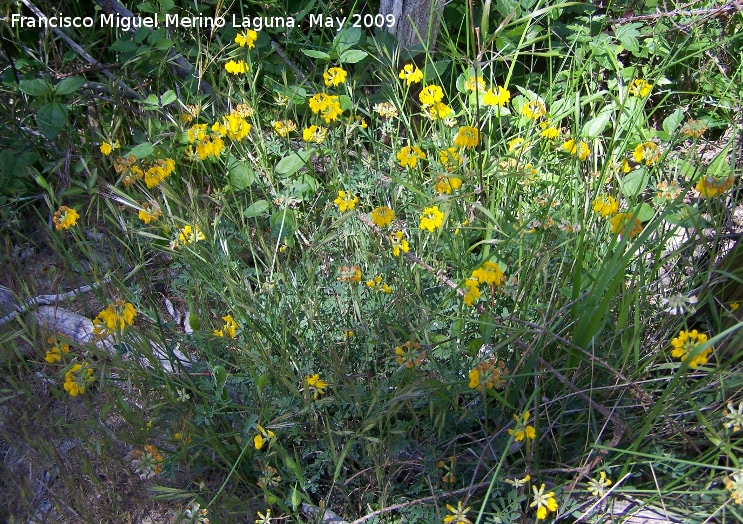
(686, 343)
(431, 219)
(345, 202)
(648, 152)
(349, 273)
(496, 97)
(411, 74)
(534, 109)
(409, 156)
(263, 436)
(78, 378)
(382, 216)
(625, 224)
(544, 502)
(385, 110)
(490, 273)
(639, 87)
(65, 217)
(229, 326)
(246, 38)
(710, 186)
(605, 205)
(114, 318)
(315, 385)
(58, 349)
(431, 94)
(447, 184)
(334, 76)
(398, 243)
(314, 134)
(467, 136)
(190, 235)
(236, 68)
(150, 211)
(597, 487)
(106, 148)
(450, 159)
(458, 514)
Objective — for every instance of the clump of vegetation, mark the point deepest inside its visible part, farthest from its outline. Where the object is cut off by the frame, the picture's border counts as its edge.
(496, 281)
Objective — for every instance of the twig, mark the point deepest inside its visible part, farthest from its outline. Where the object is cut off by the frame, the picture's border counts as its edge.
(74, 45)
(43, 300)
(676, 12)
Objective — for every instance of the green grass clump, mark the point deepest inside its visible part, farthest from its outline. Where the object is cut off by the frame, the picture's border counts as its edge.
(496, 282)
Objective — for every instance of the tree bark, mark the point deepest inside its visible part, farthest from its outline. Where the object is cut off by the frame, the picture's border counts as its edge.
(417, 22)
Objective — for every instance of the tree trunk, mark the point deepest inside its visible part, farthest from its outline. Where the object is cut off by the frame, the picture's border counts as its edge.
(416, 22)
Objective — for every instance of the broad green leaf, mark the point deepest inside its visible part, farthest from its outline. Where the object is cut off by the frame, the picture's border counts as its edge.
(346, 39)
(123, 45)
(321, 55)
(168, 97)
(69, 85)
(506, 7)
(35, 87)
(594, 127)
(688, 217)
(720, 167)
(627, 35)
(672, 121)
(293, 162)
(241, 175)
(645, 212)
(142, 150)
(352, 56)
(256, 209)
(282, 224)
(634, 182)
(51, 119)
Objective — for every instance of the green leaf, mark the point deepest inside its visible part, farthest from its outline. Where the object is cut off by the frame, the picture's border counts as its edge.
(645, 212)
(627, 35)
(152, 100)
(293, 162)
(321, 55)
(256, 209)
(123, 45)
(142, 150)
(168, 97)
(437, 70)
(51, 119)
(672, 121)
(594, 127)
(720, 167)
(69, 85)
(634, 183)
(164, 44)
(347, 38)
(282, 225)
(35, 87)
(241, 175)
(352, 56)
(688, 217)
(220, 375)
(506, 7)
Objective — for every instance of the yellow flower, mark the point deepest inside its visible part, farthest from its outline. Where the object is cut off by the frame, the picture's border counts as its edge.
(65, 217)
(496, 97)
(472, 294)
(150, 211)
(382, 216)
(458, 514)
(597, 487)
(431, 94)
(548, 131)
(534, 109)
(327, 106)
(686, 343)
(621, 225)
(114, 318)
(190, 112)
(710, 187)
(246, 38)
(190, 235)
(639, 87)
(78, 378)
(284, 127)
(475, 82)
(467, 136)
(431, 219)
(693, 128)
(445, 184)
(647, 151)
(581, 150)
(262, 437)
(544, 502)
(605, 205)
(450, 159)
(334, 76)
(106, 148)
(314, 134)
(230, 326)
(411, 74)
(735, 486)
(237, 68)
(55, 353)
(490, 273)
(436, 111)
(349, 273)
(409, 156)
(315, 384)
(385, 110)
(345, 202)
(398, 243)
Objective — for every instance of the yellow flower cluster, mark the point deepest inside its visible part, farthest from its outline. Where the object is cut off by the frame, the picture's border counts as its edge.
(735, 486)
(107, 147)
(580, 149)
(78, 378)
(693, 128)
(233, 126)
(150, 211)
(190, 235)
(349, 274)
(605, 205)
(159, 171)
(190, 112)
(334, 76)
(411, 74)
(327, 106)
(238, 67)
(490, 273)
(475, 83)
(488, 375)
(398, 243)
(467, 136)
(315, 385)
(473, 291)
(496, 97)
(544, 502)
(549, 131)
(246, 38)
(640, 88)
(647, 152)
(523, 430)
(386, 110)
(314, 134)
(410, 354)
(450, 159)
(284, 127)
(379, 285)
(65, 217)
(153, 174)
(345, 201)
(114, 318)
(597, 487)
(147, 462)
(263, 437)
(687, 343)
(534, 109)
(382, 216)
(409, 156)
(431, 219)
(625, 224)
(229, 326)
(458, 515)
(58, 349)
(710, 186)
(447, 184)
